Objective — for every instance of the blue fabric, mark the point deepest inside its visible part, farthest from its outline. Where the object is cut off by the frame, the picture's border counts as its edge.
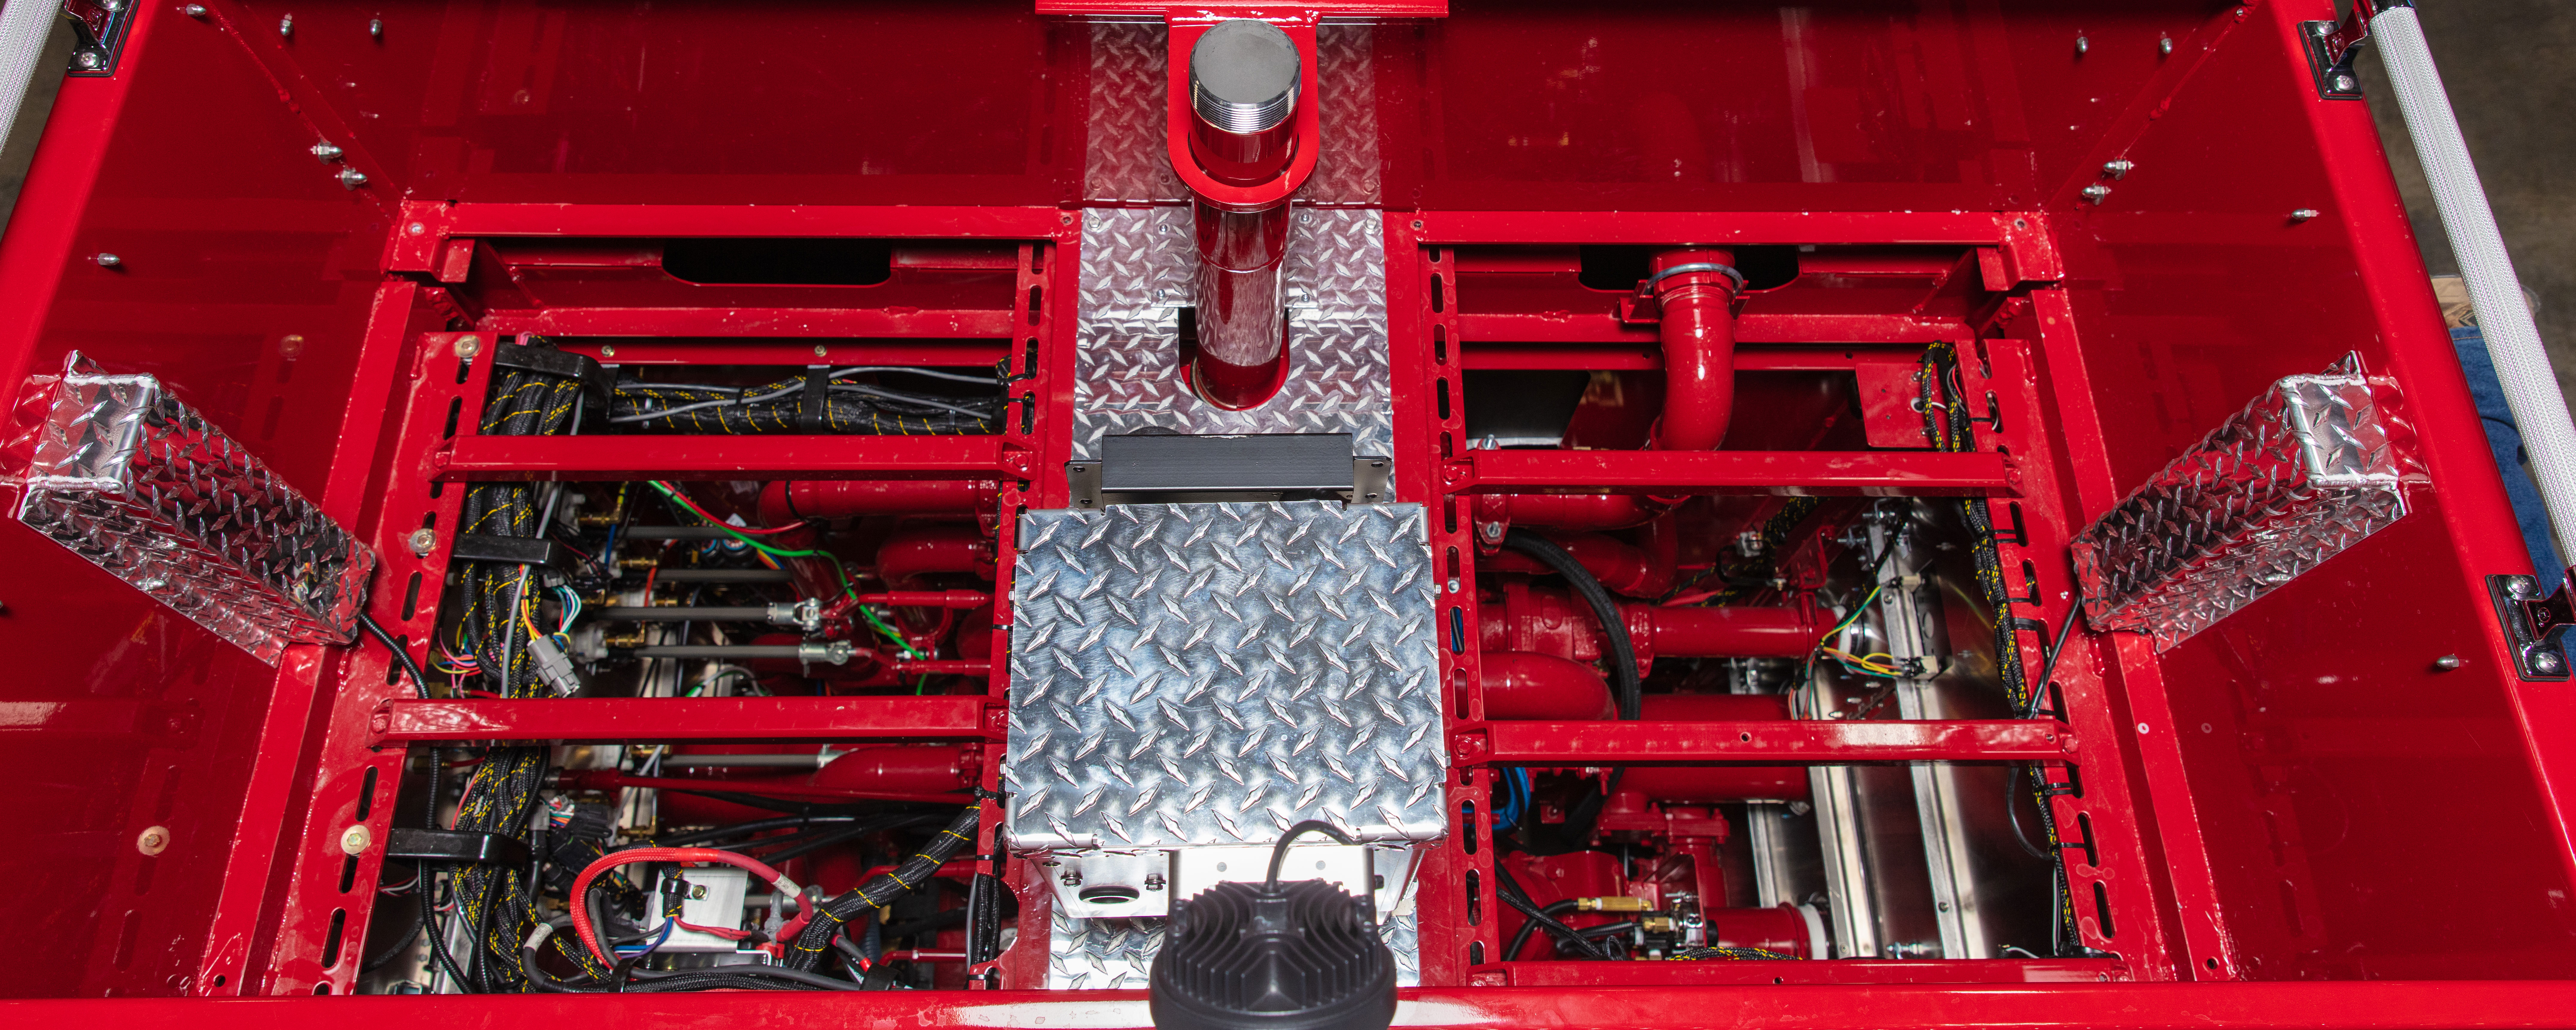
(2505, 440)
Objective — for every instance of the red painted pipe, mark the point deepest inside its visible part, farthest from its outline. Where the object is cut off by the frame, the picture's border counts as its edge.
(957, 599)
(1563, 511)
(1244, 79)
(784, 501)
(1621, 567)
(1523, 685)
(914, 552)
(929, 768)
(1710, 784)
(1550, 621)
(1698, 330)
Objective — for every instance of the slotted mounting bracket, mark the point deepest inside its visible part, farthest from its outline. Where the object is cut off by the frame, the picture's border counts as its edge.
(2535, 623)
(98, 30)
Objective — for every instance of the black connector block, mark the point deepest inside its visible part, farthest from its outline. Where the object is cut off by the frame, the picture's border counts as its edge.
(509, 550)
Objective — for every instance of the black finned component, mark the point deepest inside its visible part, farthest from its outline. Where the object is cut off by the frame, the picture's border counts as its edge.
(1170, 462)
(412, 842)
(983, 919)
(595, 380)
(1290, 956)
(508, 550)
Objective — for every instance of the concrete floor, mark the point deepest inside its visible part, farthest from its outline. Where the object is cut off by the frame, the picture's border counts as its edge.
(2507, 64)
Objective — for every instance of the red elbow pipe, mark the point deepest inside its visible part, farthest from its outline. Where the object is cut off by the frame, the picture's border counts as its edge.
(1622, 568)
(1526, 685)
(784, 501)
(915, 552)
(1698, 330)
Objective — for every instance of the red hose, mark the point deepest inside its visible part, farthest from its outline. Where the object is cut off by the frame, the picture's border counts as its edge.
(1698, 333)
(581, 884)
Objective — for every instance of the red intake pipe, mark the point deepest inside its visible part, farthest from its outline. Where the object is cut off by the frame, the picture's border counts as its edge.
(1695, 290)
(1621, 567)
(1709, 784)
(784, 501)
(1521, 685)
(1550, 621)
(915, 552)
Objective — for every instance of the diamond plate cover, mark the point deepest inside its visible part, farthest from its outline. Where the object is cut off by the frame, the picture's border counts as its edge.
(1126, 159)
(1136, 265)
(1214, 673)
(137, 482)
(2305, 471)
(1118, 954)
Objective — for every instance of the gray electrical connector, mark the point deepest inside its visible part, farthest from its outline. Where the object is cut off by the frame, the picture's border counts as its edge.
(553, 667)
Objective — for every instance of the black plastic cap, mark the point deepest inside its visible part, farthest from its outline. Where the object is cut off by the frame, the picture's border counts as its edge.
(1297, 958)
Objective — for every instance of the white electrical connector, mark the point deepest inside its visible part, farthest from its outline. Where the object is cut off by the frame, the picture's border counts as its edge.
(553, 667)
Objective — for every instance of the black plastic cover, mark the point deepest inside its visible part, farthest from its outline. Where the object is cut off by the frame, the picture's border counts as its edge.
(1296, 957)
(508, 550)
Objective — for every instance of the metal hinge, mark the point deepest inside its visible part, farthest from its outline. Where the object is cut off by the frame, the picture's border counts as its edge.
(2535, 623)
(98, 30)
(2331, 47)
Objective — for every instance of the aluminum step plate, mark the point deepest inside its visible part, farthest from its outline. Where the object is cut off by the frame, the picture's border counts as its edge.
(1214, 673)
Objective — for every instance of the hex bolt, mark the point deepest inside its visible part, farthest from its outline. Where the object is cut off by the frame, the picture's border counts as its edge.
(194, 10)
(818, 350)
(351, 178)
(376, 28)
(2447, 662)
(416, 229)
(2548, 663)
(2346, 84)
(354, 840)
(326, 152)
(2081, 45)
(2164, 45)
(2096, 192)
(286, 27)
(1453, 584)
(2118, 168)
(422, 542)
(469, 345)
(2303, 214)
(153, 841)
(607, 350)
(107, 260)
(89, 59)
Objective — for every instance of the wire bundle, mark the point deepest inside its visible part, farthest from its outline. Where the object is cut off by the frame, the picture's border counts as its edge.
(847, 406)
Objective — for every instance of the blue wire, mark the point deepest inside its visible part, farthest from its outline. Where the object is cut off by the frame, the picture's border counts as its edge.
(667, 925)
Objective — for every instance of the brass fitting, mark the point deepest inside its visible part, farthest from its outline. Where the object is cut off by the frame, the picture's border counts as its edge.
(1610, 904)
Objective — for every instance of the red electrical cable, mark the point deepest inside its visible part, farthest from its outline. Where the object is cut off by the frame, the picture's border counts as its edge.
(581, 884)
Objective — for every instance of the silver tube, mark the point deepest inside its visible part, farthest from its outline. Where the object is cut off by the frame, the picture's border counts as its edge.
(2513, 342)
(24, 27)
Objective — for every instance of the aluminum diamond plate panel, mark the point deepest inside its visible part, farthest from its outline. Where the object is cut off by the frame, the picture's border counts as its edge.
(135, 481)
(1136, 265)
(1118, 954)
(1125, 160)
(1215, 673)
(2305, 471)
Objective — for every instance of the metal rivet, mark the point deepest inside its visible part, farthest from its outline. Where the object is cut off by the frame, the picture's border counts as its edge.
(818, 350)
(469, 345)
(286, 26)
(375, 28)
(2118, 168)
(153, 841)
(607, 350)
(2548, 662)
(2304, 214)
(2447, 662)
(88, 59)
(2096, 192)
(107, 260)
(2346, 83)
(2081, 45)
(326, 152)
(354, 840)
(422, 542)
(1453, 584)
(194, 10)
(416, 228)
(2165, 45)
(351, 178)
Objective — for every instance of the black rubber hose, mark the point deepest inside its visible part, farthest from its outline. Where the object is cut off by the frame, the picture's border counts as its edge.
(807, 951)
(1520, 937)
(1510, 891)
(1606, 929)
(419, 683)
(735, 830)
(1625, 690)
